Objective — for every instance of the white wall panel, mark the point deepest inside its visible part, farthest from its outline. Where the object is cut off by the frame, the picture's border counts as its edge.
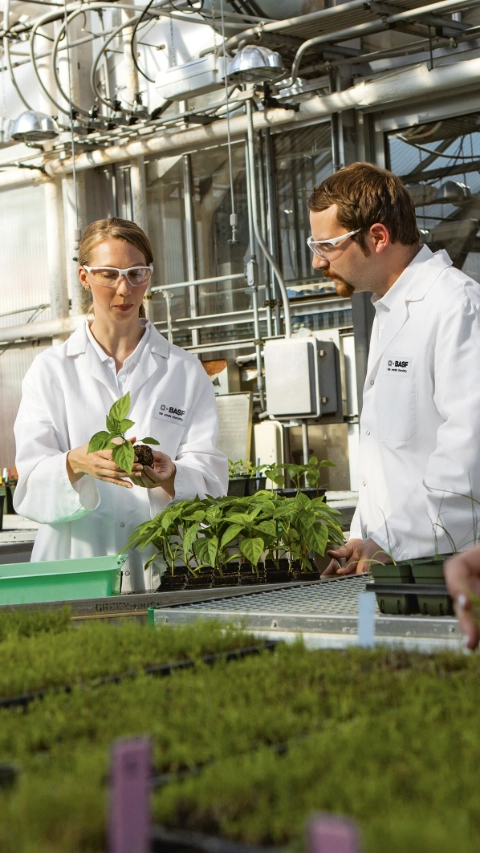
(14, 363)
(23, 255)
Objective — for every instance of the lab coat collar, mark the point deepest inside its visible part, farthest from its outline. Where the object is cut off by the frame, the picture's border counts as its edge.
(422, 272)
(78, 344)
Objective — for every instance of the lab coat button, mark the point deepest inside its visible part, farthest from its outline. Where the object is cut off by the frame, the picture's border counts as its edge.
(372, 381)
(122, 524)
(364, 483)
(368, 432)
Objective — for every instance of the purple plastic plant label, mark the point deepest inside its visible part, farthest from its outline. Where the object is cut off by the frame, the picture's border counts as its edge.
(330, 834)
(129, 827)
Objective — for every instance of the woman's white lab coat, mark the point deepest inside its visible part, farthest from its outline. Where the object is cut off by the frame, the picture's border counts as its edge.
(419, 487)
(66, 397)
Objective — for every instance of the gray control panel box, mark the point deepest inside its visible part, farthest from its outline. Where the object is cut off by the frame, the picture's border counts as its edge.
(301, 378)
(191, 79)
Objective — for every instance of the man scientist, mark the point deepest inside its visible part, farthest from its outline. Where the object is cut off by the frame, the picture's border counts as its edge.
(419, 471)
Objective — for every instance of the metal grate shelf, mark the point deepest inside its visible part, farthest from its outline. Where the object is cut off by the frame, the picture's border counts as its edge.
(325, 614)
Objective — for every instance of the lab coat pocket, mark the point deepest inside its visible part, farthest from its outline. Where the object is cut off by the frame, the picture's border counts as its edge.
(168, 433)
(397, 408)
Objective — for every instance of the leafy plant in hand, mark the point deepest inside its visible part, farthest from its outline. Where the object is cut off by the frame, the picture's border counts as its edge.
(117, 425)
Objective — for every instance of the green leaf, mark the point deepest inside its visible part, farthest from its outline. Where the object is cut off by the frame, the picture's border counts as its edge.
(189, 539)
(126, 424)
(149, 440)
(99, 441)
(124, 455)
(252, 549)
(121, 408)
(230, 534)
(206, 550)
(114, 426)
(267, 527)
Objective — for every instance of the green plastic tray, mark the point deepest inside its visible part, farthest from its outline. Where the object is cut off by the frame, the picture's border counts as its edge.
(60, 580)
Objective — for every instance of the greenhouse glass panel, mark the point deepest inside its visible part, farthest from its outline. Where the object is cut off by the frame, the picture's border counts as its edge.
(303, 159)
(440, 164)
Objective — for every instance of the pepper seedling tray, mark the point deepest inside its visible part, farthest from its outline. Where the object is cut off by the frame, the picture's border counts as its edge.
(60, 580)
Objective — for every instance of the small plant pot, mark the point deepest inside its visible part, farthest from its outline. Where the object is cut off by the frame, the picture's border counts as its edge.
(395, 604)
(171, 582)
(429, 570)
(244, 487)
(228, 576)
(309, 492)
(200, 580)
(306, 576)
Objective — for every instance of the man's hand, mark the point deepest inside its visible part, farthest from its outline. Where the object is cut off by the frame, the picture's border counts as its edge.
(161, 474)
(462, 574)
(360, 556)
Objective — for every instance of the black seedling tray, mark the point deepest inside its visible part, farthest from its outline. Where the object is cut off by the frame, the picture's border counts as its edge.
(407, 588)
(24, 699)
(184, 841)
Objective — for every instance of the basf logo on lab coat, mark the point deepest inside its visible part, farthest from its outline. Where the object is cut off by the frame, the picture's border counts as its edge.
(398, 365)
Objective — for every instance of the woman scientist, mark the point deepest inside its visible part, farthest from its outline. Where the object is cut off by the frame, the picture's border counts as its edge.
(85, 503)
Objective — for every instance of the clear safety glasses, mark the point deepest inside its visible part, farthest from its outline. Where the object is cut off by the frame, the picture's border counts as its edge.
(323, 247)
(110, 276)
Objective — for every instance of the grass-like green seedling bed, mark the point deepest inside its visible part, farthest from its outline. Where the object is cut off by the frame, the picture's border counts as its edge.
(247, 750)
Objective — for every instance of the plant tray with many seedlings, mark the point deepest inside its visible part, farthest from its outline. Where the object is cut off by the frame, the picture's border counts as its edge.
(243, 752)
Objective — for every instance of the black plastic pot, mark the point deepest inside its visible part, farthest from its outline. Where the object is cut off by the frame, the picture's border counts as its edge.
(228, 577)
(200, 580)
(2, 501)
(306, 576)
(310, 493)
(395, 573)
(244, 486)
(429, 570)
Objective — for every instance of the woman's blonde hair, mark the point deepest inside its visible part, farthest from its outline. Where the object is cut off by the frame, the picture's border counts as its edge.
(117, 229)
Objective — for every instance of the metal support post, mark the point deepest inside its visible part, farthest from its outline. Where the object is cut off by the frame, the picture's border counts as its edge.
(261, 182)
(363, 314)
(139, 212)
(190, 239)
(272, 220)
(305, 448)
(55, 240)
(261, 242)
(252, 279)
(80, 297)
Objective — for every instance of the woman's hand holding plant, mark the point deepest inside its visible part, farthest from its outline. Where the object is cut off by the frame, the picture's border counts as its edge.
(100, 465)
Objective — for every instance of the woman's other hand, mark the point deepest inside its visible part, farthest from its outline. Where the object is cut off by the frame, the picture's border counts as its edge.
(162, 473)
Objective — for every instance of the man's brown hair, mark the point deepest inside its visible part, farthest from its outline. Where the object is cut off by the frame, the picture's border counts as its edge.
(365, 194)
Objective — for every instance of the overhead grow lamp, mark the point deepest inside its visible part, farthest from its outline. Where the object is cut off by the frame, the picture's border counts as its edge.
(32, 126)
(255, 64)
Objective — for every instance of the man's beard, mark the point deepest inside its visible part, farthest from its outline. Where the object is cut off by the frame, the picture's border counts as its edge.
(343, 288)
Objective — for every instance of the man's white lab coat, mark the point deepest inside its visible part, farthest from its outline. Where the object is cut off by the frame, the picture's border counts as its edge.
(420, 424)
(67, 394)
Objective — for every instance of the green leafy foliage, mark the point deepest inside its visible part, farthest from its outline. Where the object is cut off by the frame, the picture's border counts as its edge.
(117, 425)
(249, 750)
(210, 532)
(296, 473)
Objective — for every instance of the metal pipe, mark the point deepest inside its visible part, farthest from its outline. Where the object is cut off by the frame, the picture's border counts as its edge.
(272, 222)
(55, 244)
(40, 307)
(252, 267)
(406, 85)
(259, 238)
(197, 282)
(268, 295)
(40, 330)
(190, 241)
(305, 448)
(6, 51)
(371, 27)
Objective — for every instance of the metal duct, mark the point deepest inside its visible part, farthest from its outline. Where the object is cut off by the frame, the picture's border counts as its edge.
(410, 85)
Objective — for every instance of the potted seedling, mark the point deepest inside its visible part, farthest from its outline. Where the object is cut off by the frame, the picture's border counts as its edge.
(297, 474)
(394, 603)
(244, 478)
(429, 570)
(124, 453)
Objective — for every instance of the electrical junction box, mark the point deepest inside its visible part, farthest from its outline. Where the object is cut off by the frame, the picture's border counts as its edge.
(197, 77)
(301, 378)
